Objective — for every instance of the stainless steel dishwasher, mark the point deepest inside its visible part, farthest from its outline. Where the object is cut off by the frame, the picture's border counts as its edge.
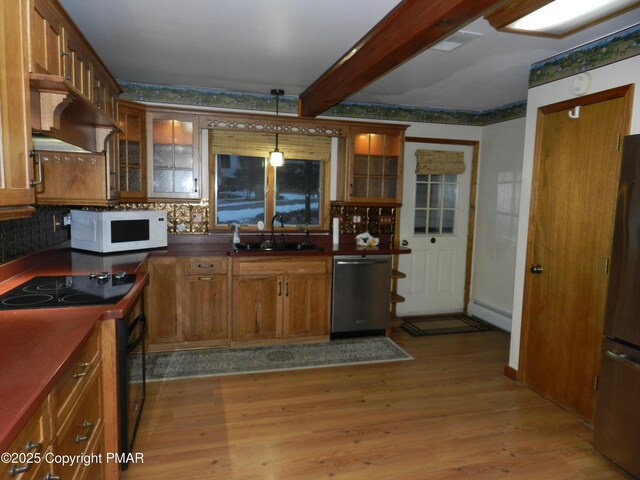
(361, 294)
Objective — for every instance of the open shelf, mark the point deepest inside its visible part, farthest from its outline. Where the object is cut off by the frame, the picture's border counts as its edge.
(396, 274)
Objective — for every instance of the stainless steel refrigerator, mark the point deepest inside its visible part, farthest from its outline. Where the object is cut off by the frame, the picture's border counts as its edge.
(617, 420)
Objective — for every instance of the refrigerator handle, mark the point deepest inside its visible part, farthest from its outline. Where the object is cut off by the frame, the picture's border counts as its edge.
(623, 357)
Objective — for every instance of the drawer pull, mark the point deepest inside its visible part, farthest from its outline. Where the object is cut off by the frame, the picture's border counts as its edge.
(33, 446)
(83, 438)
(84, 366)
(202, 265)
(205, 278)
(29, 447)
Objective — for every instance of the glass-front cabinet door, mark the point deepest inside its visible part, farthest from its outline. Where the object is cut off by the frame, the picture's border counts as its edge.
(174, 161)
(374, 166)
(131, 155)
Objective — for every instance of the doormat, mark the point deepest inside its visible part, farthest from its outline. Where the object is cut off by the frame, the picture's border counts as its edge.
(235, 361)
(444, 324)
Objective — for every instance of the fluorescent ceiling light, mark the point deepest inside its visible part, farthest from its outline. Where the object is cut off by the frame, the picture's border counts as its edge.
(558, 18)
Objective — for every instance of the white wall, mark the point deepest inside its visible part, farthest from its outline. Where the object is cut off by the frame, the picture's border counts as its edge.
(496, 232)
(621, 73)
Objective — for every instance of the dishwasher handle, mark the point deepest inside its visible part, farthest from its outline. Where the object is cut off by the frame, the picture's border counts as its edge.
(359, 262)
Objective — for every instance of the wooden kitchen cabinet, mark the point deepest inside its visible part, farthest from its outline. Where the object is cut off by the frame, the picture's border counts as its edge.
(132, 152)
(305, 305)
(35, 438)
(77, 178)
(187, 302)
(16, 166)
(173, 145)
(161, 299)
(281, 299)
(204, 313)
(69, 422)
(59, 53)
(257, 307)
(48, 53)
(373, 166)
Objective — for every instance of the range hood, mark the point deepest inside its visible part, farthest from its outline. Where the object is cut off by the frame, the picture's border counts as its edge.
(59, 111)
(44, 143)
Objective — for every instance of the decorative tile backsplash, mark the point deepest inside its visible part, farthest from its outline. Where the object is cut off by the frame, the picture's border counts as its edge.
(23, 236)
(357, 219)
(183, 218)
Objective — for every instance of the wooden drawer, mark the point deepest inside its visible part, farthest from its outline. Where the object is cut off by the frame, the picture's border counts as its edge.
(32, 441)
(281, 266)
(204, 265)
(79, 433)
(70, 386)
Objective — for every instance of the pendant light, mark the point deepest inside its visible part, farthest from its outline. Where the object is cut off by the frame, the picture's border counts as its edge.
(276, 157)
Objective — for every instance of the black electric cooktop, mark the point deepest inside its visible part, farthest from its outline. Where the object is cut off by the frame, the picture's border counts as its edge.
(70, 291)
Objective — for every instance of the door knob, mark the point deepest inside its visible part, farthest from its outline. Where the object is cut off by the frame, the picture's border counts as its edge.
(536, 269)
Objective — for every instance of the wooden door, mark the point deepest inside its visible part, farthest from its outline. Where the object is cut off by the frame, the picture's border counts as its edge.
(573, 207)
(257, 307)
(204, 308)
(306, 307)
(161, 301)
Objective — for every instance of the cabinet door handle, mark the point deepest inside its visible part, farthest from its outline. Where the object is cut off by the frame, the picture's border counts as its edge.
(84, 366)
(18, 469)
(195, 183)
(83, 438)
(67, 65)
(279, 289)
(38, 158)
(286, 289)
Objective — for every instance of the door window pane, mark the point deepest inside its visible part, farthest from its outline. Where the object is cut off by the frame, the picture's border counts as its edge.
(240, 189)
(298, 187)
(436, 204)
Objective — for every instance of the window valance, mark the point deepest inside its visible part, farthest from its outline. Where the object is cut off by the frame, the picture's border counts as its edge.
(438, 162)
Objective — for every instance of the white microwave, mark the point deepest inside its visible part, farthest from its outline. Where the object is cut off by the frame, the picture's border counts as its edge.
(118, 231)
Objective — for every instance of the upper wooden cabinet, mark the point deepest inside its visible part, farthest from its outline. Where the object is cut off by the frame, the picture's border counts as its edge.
(48, 52)
(16, 167)
(132, 153)
(70, 84)
(77, 178)
(373, 166)
(173, 142)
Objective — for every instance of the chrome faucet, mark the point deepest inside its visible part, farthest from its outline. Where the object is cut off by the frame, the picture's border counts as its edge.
(273, 220)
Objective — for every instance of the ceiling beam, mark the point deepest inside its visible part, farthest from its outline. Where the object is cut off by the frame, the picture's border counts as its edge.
(411, 27)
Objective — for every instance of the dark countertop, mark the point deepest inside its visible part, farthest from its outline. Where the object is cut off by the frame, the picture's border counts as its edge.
(205, 245)
(37, 345)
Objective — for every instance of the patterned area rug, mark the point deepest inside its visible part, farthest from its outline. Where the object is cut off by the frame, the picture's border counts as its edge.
(234, 361)
(440, 325)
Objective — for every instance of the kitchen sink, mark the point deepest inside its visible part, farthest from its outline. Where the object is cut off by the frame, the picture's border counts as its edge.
(276, 247)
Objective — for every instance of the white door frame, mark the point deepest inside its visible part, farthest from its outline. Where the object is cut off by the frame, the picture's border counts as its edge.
(475, 144)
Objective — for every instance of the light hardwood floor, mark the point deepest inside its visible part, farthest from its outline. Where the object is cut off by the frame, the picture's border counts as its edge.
(449, 414)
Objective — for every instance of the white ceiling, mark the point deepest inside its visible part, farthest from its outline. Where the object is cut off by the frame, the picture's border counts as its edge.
(256, 45)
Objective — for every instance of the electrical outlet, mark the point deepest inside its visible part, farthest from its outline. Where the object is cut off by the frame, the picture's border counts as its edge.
(197, 218)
